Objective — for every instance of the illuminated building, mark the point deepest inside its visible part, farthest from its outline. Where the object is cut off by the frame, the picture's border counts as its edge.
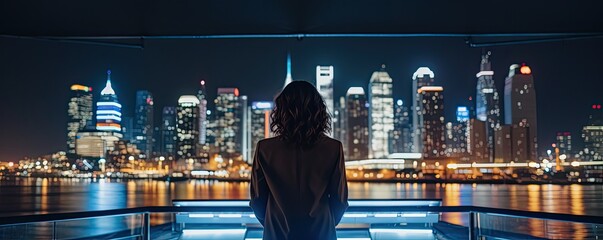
(96, 144)
(476, 140)
(400, 139)
(324, 85)
(168, 131)
(340, 121)
(187, 127)
(563, 141)
(357, 124)
(592, 134)
(520, 108)
(487, 107)
(422, 77)
(243, 135)
(381, 112)
(432, 121)
(259, 123)
(456, 133)
(503, 152)
(202, 96)
(127, 128)
(143, 124)
(229, 122)
(79, 112)
(288, 78)
(108, 109)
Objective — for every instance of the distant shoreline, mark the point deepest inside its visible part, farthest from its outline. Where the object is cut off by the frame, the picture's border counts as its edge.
(514, 182)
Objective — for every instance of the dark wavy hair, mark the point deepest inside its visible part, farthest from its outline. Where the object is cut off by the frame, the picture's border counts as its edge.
(300, 115)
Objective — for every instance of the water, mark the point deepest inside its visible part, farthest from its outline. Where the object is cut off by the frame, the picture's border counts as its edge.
(37, 195)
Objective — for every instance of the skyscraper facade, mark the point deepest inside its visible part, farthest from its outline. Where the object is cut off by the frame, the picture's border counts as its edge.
(520, 107)
(108, 109)
(422, 77)
(503, 152)
(143, 124)
(381, 113)
(400, 138)
(340, 121)
(187, 127)
(563, 141)
(477, 145)
(79, 113)
(432, 121)
(592, 134)
(288, 78)
(168, 131)
(324, 84)
(259, 123)
(202, 96)
(487, 104)
(357, 144)
(229, 123)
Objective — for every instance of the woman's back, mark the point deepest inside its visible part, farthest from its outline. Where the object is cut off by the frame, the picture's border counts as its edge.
(298, 184)
(307, 191)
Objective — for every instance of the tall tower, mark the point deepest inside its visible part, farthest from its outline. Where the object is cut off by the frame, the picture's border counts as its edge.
(381, 112)
(432, 121)
(259, 123)
(520, 109)
(108, 109)
(592, 134)
(487, 108)
(288, 79)
(324, 85)
(229, 122)
(79, 112)
(187, 127)
(143, 125)
(168, 131)
(202, 95)
(422, 77)
(357, 145)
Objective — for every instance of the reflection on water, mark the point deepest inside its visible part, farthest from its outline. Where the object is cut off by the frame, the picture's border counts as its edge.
(31, 195)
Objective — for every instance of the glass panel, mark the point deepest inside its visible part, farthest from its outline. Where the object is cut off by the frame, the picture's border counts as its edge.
(491, 225)
(27, 231)
(101, 227)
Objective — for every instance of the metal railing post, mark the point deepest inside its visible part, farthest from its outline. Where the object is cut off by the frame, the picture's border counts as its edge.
(472, 235)
(54, 230)
(146, 226)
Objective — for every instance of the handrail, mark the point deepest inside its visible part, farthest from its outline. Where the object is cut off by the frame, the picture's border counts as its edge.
(25, 219)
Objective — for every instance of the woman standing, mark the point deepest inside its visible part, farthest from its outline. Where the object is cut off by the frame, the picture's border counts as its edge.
(298, 182)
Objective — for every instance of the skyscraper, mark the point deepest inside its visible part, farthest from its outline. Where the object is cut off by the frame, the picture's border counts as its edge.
(108, 109)
(324, 85)
(357, 145)
(288, 78)
(503, 145)
(79, 112)
(592, 134)
(520, 107)
(229, 122)
(340, 121)
(476, 140)
(564, 142)
(243, 134)
(259, 123)
(401, 138)
(381, 112)
(422, 77)
(456, 134)
(168, 131)
(187, 127)
(202, 95)
(143, 124)
(486, 100)
(432, 121)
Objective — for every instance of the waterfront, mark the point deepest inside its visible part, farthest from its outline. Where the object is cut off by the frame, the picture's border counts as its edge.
(47, 195)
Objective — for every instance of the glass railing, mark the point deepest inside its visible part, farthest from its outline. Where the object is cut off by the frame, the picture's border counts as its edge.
(365, 219)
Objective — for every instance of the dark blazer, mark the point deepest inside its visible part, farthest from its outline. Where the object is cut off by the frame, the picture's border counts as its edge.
(299, 192)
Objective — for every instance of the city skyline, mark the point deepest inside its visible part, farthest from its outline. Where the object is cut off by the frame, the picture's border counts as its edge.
(458, 88)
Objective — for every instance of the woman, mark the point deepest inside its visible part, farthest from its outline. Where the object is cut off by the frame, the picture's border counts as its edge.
(298, 182)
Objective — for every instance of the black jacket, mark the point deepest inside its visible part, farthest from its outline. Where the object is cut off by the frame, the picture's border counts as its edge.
(299, 192)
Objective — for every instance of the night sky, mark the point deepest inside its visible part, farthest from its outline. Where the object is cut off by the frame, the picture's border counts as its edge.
(36, 76)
